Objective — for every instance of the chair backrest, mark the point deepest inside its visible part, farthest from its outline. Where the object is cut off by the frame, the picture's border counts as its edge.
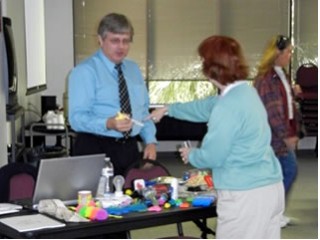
(17, 181)
(21, 186)
(307, 77)
(147, 169)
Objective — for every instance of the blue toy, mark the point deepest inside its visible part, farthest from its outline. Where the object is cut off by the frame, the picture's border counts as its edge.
(202, 201)
(137, 207)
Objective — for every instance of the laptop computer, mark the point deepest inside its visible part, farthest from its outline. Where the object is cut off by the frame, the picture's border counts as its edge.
(62, 178)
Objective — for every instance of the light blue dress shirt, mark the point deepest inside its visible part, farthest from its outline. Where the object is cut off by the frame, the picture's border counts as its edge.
(94, 97)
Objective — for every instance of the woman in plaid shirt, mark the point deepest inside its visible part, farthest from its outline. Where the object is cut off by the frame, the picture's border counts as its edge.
(274, 88)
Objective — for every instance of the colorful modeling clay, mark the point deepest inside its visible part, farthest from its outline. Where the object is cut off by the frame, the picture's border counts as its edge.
(92, 212)
(184, 205)
(167, 205)
(154, 209)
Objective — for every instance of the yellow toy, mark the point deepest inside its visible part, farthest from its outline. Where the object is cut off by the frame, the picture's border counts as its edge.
(121, 116)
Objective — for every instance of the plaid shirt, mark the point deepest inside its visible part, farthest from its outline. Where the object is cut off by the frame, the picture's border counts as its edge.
(273, 95)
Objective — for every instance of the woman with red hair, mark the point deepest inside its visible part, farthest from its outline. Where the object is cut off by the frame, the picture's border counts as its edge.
(246, 173)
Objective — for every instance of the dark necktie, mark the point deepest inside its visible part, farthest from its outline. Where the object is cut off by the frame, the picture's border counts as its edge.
(124, 96)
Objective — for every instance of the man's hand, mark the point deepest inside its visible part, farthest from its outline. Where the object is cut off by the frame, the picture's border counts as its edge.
(150, 152)
(121, 122)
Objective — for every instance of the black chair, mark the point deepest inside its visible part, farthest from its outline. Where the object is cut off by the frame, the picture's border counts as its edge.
(307, 78)
(17, 181)
(147, 170)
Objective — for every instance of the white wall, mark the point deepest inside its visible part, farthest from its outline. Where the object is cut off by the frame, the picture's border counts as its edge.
(14, 9)
(59, 58)
(59, 46)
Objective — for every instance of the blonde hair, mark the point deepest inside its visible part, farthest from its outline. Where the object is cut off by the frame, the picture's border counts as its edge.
(268, 58)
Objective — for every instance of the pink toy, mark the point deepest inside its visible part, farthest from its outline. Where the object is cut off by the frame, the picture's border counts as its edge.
(154, 209)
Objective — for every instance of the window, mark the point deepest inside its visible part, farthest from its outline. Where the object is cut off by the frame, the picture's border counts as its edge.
(168, 32)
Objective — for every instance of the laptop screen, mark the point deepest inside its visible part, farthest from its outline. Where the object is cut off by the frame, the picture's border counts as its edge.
(62, 178)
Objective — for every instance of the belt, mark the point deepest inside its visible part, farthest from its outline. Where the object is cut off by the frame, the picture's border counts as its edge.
(118, 140)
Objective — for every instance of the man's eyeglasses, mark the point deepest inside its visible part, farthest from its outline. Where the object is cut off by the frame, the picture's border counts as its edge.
(282, 42)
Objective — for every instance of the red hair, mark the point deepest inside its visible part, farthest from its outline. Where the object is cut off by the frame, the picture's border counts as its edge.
(222, 59)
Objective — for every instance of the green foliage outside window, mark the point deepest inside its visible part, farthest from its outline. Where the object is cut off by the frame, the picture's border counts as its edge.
(165, 92)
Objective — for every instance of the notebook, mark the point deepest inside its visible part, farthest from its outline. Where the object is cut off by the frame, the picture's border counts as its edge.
(62, 178)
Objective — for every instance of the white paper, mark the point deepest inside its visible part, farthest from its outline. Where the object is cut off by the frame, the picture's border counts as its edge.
(9, 208)
(31, 222)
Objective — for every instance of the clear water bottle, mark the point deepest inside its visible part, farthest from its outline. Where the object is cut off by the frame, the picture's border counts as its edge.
(100, 189)
(108, 173)
(105, 186)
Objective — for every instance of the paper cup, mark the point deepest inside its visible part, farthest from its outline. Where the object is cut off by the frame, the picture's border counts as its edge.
(84, 197)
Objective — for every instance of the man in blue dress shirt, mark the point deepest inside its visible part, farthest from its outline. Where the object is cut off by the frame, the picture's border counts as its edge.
(94, 100)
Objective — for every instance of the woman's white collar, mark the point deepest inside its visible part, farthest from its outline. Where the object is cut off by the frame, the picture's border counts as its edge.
(231, 86)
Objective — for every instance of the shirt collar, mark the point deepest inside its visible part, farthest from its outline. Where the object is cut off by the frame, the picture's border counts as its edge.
(231, 86)
(278, 69)
(110, 65)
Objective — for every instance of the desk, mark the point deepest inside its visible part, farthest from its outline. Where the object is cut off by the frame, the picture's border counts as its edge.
(129, 222)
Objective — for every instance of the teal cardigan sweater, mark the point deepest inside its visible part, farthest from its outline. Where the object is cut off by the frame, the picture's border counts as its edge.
(237, 144)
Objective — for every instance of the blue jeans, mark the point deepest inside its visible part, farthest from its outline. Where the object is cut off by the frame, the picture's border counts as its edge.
(289, 169)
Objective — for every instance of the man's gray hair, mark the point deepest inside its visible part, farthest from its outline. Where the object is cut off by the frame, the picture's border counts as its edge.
(115, 23)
